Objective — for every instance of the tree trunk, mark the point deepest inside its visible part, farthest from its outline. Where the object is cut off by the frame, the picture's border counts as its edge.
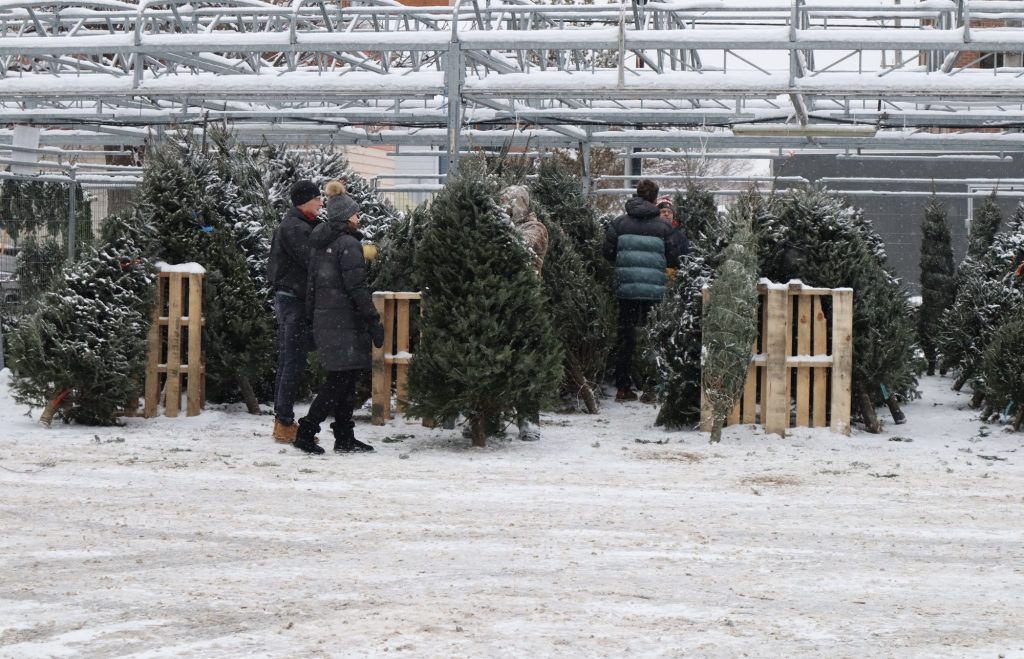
(960, 382)
(1019, 418)
(479, 436)
(584, 387)
(867, 413)
(248, 395)
(898, 417)
(716, 430)
(977, 399)
(931, 367)
(46, 418)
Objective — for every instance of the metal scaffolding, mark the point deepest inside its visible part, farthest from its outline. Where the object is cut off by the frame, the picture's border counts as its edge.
(707, 75)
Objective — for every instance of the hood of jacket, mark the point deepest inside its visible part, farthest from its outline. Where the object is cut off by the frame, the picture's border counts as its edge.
(326, 233)
(641, 209)
(515, 200)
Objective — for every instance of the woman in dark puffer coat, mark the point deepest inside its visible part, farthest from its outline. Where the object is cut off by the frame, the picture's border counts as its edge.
(344, 323)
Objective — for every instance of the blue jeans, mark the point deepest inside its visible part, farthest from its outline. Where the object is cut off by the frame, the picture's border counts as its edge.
(293, 346)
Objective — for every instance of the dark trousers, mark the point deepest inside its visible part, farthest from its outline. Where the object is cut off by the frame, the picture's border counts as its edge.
(293, 345)
(632, 314)
(336, 397)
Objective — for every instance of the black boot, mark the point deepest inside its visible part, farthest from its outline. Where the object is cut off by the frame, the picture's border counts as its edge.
(345, 439)
(305, 439)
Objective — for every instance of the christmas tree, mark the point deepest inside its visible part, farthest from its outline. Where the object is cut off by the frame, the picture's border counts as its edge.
(696, 212)
(816, 237)
(281, 167)
(487, 347)
(730, 321)
(577, 279)
(984, 227)
(398, 241)
(673, 333)
(987, 294)
(30, 207)
(938, 288)
(1003, 368)
(40, 261)
(193, 196)
(82, 352)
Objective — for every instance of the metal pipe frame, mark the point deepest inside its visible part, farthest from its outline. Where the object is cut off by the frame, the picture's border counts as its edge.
(107, 72)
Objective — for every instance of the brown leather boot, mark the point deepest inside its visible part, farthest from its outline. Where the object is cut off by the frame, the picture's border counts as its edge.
(285, 434)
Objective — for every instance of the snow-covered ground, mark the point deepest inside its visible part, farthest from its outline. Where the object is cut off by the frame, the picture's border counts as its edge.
(201, 537)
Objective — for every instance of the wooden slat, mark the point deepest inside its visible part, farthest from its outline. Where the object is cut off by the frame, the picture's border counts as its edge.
(401, 346)
(195, 344)
(152, 387)
(790, 318)
(803, 373)
(842, 354)
(750, 396)
(380, 397)
(173, 387)
(775, 401)
(818, 419)
(401, 295)
(763, 356)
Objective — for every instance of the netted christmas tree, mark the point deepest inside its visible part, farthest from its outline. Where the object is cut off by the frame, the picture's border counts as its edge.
(673, 333)
(82, 352)
(577, 279)
(487, 347)
(193, 195)
(938, 288)
(1003, 369)
(730, 320)
(816, 237)
(988, 294)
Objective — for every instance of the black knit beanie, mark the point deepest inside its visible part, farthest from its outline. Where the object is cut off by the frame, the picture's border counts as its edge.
(303, 191)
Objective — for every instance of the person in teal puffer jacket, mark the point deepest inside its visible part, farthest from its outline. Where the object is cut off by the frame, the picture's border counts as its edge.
(639, 244)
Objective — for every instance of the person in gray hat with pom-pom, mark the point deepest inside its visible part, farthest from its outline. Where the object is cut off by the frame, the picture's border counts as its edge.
(344, 321)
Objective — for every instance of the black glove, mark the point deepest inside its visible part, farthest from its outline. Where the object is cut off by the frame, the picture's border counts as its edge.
(377, 333)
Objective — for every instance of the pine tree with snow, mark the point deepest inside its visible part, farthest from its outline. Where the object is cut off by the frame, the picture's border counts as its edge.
(82, 352)
(487, 348)
(1003, 368)
(40, 262)
(397, 243)
(191, 199)
(984, 227)
(577, 278)
(816, 237)
(673, 332)
(730, 320)
(697, 212)
(938, 288)
(988, 293)
(283, 166)
(30, 207)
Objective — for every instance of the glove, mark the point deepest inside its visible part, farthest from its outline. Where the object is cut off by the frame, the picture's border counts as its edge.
(377, 333)
(369, 252)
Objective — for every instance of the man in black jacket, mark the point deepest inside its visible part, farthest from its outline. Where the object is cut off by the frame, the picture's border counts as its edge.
(639, 244)
(287, 271)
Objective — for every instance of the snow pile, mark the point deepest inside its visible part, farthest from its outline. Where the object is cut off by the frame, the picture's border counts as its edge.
(201, 537)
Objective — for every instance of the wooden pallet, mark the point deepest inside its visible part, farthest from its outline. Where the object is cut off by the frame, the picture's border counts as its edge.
(175, 362)
(391, 361)
(801, 367)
